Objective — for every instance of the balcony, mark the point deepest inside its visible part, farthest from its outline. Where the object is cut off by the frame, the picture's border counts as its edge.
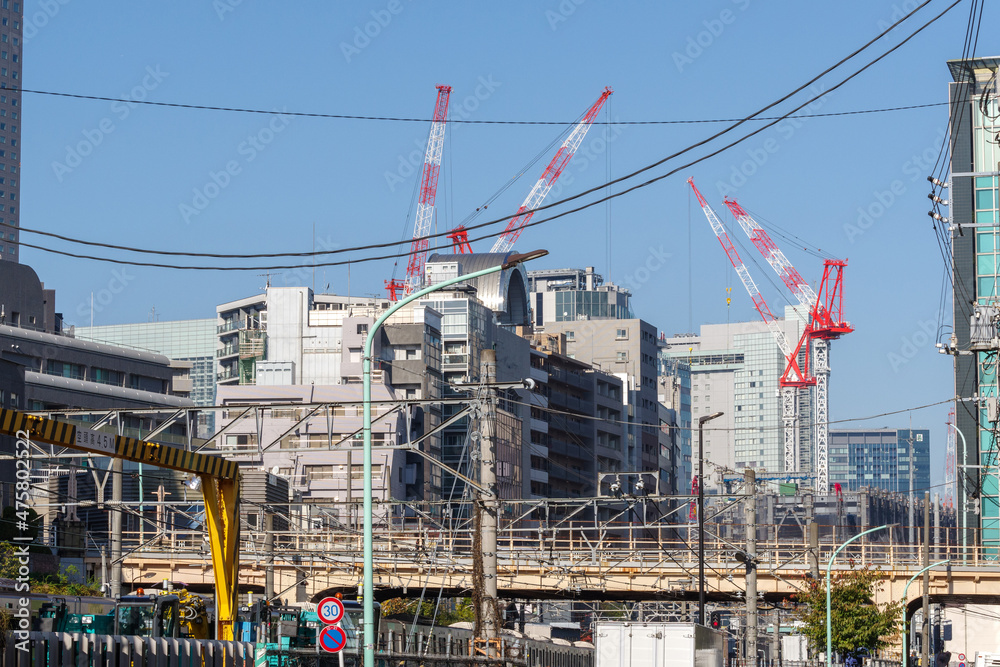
(538, 375)
(454, 360)
(568, 449)
(558, 399)
(572, 379)
(228, 351)
(561, 423)
(230, 325)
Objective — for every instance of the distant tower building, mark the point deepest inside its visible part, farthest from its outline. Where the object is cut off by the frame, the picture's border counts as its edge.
(10, 126)
(882, 458)
(735, 368)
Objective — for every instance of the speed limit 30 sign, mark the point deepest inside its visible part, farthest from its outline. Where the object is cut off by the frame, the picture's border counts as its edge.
(330, 611)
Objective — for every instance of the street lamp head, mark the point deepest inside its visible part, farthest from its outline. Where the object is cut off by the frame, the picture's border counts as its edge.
(517, 258)
(714, 415)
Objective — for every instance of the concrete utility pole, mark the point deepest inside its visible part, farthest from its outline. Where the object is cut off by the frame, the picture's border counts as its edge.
(488, 498)
(925, 642)
(269, 552)
(116, 527)
(750, 510)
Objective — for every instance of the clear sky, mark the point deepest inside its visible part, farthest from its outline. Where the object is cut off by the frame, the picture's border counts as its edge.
(212, 181)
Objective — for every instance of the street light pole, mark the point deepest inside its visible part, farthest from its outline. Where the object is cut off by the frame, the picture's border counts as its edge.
(701, 514)
(829, 566)
(368, 584)
(906, 635)
(963, 517)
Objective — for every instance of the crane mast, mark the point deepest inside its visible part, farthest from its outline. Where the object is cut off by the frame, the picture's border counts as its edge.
(505, 242)
(425, 202)
(825, 324)
(795, 375)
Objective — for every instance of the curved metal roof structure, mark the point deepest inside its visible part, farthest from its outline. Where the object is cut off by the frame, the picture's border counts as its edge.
(504, 292)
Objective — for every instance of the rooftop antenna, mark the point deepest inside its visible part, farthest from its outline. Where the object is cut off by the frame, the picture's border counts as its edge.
(267, 276)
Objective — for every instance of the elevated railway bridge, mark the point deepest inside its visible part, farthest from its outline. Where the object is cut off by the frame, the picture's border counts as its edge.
(628, 557)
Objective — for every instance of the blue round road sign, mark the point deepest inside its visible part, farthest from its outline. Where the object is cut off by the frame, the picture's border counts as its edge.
(330, 610)
(332, 638)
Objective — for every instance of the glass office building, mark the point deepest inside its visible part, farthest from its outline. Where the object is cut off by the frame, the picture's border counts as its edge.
(881, 458)
(973, 211)
(183, 340)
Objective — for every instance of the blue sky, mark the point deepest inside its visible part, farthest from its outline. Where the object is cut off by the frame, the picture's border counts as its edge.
(265, 181)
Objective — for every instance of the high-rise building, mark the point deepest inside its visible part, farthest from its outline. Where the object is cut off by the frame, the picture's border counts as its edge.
(11, 68)
(884, 458)
(975, 237)
(600, 330)
(735, 368)
(582, 435)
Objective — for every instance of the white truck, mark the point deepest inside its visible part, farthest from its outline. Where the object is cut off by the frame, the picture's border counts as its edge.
(626, 644)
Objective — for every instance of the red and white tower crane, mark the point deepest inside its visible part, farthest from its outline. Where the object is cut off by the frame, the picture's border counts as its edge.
(825, 323)
(425, 203)
(505, 242)
(796, 375)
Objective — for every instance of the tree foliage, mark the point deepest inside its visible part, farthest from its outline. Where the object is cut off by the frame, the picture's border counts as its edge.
(857, 622)
(461, 610)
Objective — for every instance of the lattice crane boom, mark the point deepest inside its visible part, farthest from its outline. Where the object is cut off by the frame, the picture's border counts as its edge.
(772, 253)
(505, 242)
(428, 194)
(794, 373)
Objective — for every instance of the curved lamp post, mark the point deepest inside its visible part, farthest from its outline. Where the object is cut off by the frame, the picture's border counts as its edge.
(829, 566)
(368, 587)
(906, 635)
(964, 523)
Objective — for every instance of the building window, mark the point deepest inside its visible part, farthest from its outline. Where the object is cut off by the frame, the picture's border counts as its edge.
(570, 335)
(362, 329)
(622, 356)
(621, 334)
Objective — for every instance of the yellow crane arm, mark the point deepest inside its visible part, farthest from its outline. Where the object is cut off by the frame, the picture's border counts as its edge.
(219, 480)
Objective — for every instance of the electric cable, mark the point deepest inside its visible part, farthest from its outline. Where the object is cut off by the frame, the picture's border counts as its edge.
(572, 197)
(404, 119)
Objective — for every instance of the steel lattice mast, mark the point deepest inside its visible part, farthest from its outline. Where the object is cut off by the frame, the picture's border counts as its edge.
(425, 202)
(537, 195)
(796, 375)
(825, 323)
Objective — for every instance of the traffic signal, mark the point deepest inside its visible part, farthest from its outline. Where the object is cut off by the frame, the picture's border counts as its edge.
(715, 620)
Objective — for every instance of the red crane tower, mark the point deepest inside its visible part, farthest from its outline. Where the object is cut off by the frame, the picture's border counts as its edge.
(796, 375)
(425, 203)
(825, 323)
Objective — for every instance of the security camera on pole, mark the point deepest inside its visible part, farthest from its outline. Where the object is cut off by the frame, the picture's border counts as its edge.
(332, 637)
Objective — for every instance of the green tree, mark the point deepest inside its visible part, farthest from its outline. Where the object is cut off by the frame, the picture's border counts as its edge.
(857, 622)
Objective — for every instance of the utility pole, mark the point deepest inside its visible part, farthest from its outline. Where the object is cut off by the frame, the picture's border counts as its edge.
(116, 527)
(925, 641)
(776, 638)
(937, 526)
(489, 626)
(269, 552)
(750, 510)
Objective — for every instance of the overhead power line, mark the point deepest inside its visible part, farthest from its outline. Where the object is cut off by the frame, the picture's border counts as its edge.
(556, 203)
(403, 119)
